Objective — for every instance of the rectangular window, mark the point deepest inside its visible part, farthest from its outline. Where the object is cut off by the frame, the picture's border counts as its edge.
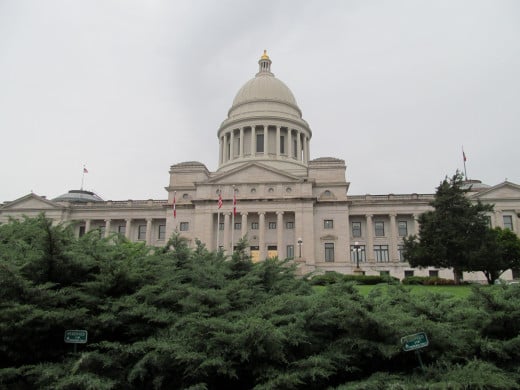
(254, 225)
(289, 225)
(282, 144)
(356, 229)
(508, 222)
(408, 273)
(357, 253)
(329, 252)
(433, 273)
(402, 227)
(184, 226)
(290, 251)
(221, 226)
(400, 251)
(162, 232)
(381, 253)
(379, 227)
(384, 273)
(328, 224)
(260, 143)
(238, 225)
(82, 231)
(121, 229)
(272, 225)
(141, 232)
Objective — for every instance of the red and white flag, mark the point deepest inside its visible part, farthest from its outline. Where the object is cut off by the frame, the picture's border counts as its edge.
(219, 204)
(464, 156)
(174, 209)
(234, 202)
(85, 170)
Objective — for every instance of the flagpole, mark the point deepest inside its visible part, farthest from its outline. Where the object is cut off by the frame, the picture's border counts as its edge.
(233, 221)
(464, 159)
(218, 218)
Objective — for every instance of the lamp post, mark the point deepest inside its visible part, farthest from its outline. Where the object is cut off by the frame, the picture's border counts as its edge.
(300, 241)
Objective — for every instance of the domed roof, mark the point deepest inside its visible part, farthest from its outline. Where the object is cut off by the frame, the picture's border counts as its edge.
(78, 196)
(264, 94)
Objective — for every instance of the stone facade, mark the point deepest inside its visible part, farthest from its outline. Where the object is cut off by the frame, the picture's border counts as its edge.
(285, 203)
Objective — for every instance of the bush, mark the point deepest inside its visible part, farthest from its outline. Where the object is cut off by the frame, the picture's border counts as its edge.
(326, 279)
(414, 280)
(436, 281)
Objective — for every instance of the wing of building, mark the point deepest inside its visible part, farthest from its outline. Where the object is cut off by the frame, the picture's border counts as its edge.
(272, 192)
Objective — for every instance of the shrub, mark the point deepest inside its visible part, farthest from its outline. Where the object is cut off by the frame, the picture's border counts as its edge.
(414, 280)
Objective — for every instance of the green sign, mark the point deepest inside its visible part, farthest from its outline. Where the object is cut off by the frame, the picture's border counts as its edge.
(414, 341)
(76, 336)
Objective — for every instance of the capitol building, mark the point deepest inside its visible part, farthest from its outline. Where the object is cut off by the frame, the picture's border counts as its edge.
(285, 203)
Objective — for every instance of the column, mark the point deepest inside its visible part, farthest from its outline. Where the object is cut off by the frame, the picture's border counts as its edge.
(277, 141)
(279, 235)
(298, 146)
(369, 249)
(498, 220)
(87, 225)
(266, 144)
(127, 228)
(415, 224)
(220, 154)
(394, 255)
(107, 227)
(307, 152)
(253, 140)
(231, 144)
(244, 223)
(148, 231)
(227, 237)
(347, 236)
(241, 142)
(289, 143)
(261, 235)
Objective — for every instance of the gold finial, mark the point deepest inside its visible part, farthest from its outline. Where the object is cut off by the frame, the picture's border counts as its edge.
(264, 56)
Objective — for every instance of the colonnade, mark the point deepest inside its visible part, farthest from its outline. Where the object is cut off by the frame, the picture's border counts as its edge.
(289, 143)
(128, 224)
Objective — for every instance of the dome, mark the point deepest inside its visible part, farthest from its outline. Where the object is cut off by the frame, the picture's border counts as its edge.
(264, 95)
(78, 196)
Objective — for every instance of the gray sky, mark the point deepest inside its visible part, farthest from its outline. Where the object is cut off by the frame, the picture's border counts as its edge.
(395, 88)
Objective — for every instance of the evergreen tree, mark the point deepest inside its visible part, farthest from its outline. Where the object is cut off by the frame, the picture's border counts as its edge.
(450, 235)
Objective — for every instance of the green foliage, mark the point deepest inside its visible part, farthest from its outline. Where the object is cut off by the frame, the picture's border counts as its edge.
(452, 234)
(427, 281)
(186, 318)
(335, 277)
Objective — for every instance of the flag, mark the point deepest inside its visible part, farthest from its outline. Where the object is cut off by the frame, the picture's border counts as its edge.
(85, 170)
(464, 156)
(234, 202)
(219, 204)
(174, 209)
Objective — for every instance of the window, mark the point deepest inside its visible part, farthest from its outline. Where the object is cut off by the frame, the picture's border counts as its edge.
(381, 253)
(433, 273)
(408, 273)
(141, 232)
(329, 251)
(121, 229)
(402, 227)
(238, 225)
(162, 232)
(379, 228)
(221, 226)
(272, 225)
(282, 144)
(508, 222)
(184, 226)
(400, 251)
(328, 224)
(359, 253)
(289, 225)
(290, 251)
(82, 231)
(356, 229)
(384, 273)
(259, 143)
(254, 225)
(295, 151)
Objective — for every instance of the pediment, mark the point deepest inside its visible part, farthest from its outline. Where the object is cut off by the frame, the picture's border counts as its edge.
(31, 202)
(502, 191)
(254, 173)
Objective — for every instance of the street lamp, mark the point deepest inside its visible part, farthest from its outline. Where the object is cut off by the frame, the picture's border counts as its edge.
(300, 241)
(356, 249)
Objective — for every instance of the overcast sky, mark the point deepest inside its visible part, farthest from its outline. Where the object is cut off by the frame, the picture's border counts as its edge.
(128, 88)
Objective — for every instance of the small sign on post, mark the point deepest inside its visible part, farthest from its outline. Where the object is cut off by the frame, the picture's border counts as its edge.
(76, 336)
(414, 341)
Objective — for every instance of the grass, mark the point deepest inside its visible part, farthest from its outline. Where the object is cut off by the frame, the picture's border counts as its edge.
(455, 291)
